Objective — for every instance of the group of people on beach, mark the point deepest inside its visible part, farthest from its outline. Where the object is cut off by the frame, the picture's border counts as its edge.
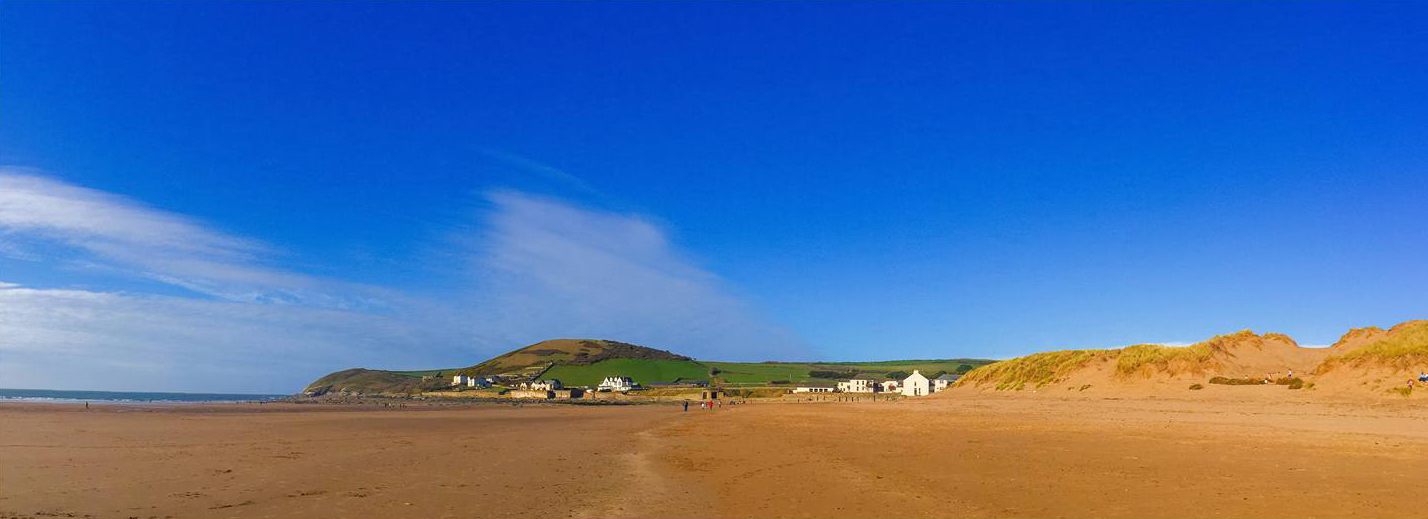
(1422, 379)
(709, 404)
(1269, 378)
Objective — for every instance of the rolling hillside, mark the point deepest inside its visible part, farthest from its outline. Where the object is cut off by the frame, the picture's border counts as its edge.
(584, 362)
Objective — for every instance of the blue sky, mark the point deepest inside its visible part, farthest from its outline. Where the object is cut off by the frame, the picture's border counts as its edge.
(242, 197)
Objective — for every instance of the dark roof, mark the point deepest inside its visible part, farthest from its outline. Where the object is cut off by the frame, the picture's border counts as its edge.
(948, 376)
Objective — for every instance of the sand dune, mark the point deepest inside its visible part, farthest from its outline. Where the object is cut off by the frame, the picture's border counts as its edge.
(1366, 362)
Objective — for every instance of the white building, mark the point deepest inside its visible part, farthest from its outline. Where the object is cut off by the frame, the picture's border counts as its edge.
(813, 388)
(542, 385)
(618, 384)
(916, 385)
(478, 382)
(890, 386)
(945, 381)
(858, 385)
(460, 380)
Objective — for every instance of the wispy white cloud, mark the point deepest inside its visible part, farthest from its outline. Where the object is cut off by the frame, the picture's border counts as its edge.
(537, 268)
(546, 171)
(549, 267)
(79, 339)
(111, 231)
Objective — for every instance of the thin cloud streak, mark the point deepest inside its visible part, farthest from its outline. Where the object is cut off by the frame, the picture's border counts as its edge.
(80, 339)
(551, 266)
(534, 268)
(122, 234)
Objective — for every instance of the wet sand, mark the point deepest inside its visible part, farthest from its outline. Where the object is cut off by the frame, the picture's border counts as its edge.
(966, 455)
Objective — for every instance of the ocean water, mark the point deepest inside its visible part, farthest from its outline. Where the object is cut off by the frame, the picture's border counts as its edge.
(62, 396)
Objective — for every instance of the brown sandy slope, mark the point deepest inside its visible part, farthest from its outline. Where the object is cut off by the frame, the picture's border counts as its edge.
(1365, 362)
(982, 455)
(1376, 360)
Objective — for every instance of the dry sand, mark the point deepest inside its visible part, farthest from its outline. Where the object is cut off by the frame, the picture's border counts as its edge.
(954, 455)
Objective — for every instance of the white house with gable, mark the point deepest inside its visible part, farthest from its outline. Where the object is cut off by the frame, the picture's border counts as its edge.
(916, 385)
(945, 381)
(478, 382)
(460, 380)
(618, 384)
(858, 385)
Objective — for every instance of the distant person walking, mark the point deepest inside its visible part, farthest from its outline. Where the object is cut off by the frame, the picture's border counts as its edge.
(686, 406)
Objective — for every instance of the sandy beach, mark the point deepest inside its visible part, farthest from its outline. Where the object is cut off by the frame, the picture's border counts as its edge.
(952, 455)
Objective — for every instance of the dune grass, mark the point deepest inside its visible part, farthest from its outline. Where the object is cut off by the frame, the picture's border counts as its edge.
(1227, 381)
(1293, 383)
(1147, 358)
(1405, 347)
(1038, 370)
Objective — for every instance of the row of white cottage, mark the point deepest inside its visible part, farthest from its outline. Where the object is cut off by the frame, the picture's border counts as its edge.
(915, 384)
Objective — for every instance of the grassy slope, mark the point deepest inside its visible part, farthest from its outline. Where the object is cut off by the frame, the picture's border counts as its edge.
(1142, 359)
(1038, 370)
(534, 358)
(370, 381)
(644, 371)
(1405, 346)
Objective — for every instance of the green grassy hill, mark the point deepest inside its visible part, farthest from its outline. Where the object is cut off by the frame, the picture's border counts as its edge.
(578, 352)
(582, 362)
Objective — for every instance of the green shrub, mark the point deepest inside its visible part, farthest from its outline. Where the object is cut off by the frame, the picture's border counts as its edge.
(1405, 391)
(1236, 381)
(1295, 383)
(1196, 387)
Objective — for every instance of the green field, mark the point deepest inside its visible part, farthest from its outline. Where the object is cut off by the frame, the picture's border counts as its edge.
(643, 371)
(425, 372)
